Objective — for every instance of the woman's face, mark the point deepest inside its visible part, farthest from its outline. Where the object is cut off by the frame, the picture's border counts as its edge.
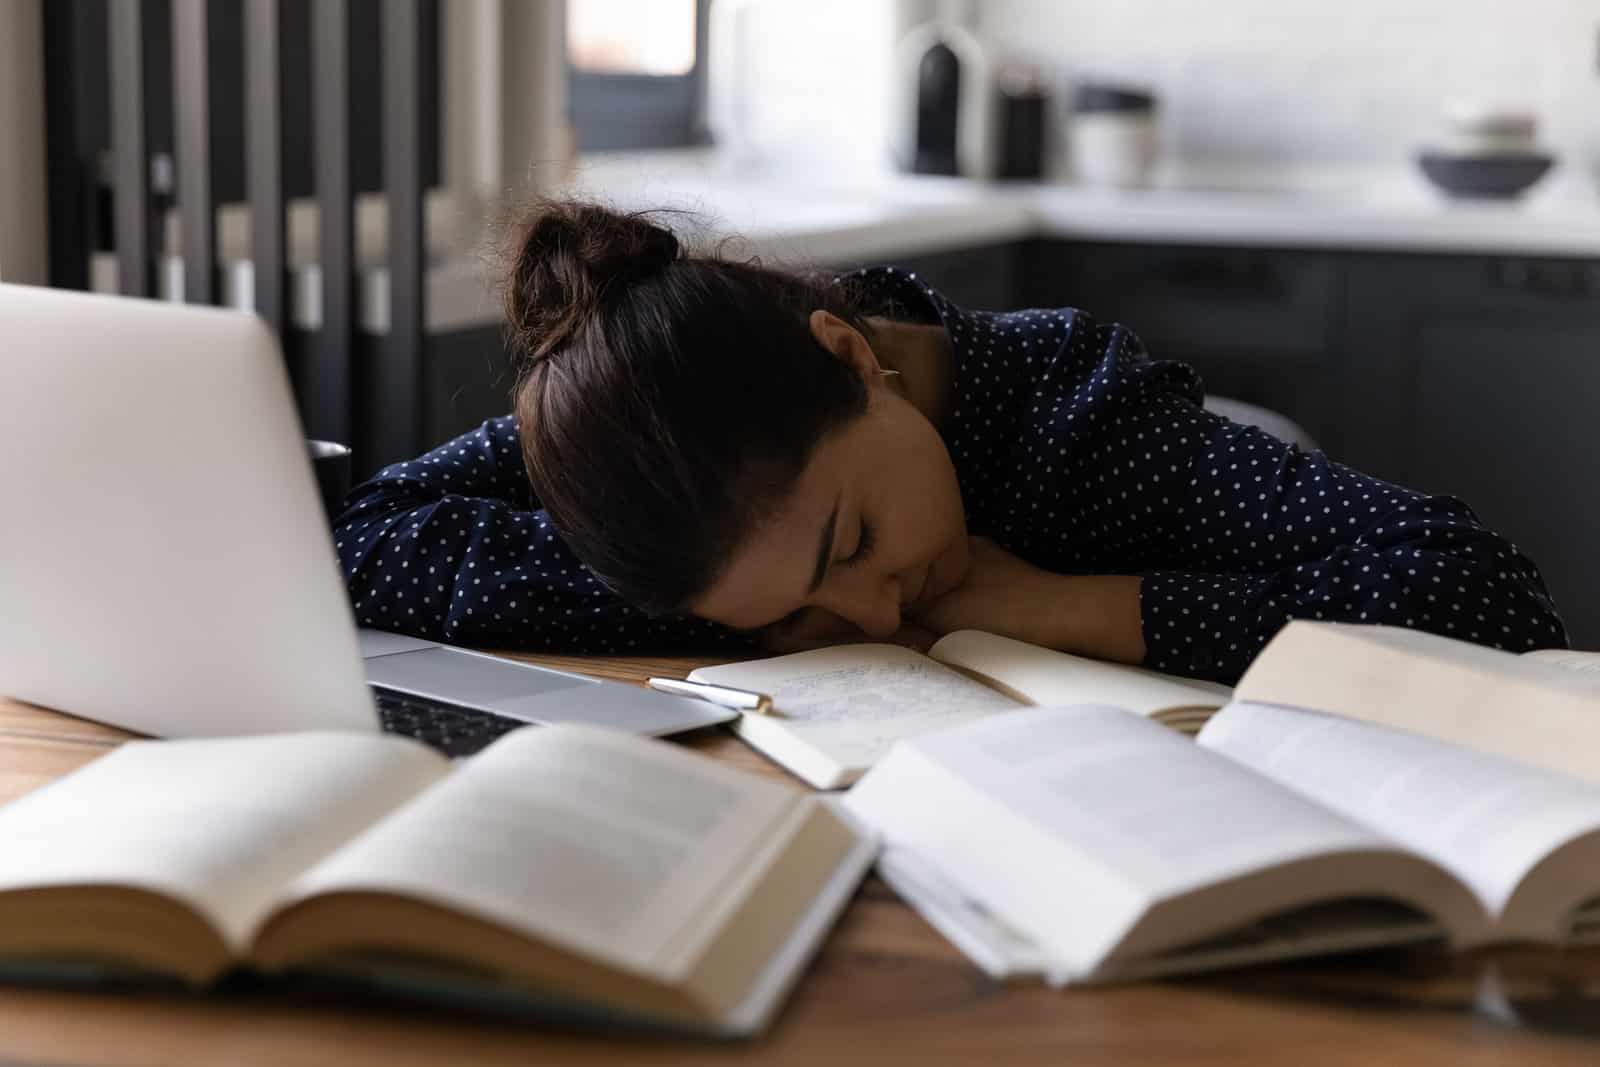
(874, 524)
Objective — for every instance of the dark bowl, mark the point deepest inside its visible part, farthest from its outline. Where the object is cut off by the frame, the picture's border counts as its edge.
(1489, 175)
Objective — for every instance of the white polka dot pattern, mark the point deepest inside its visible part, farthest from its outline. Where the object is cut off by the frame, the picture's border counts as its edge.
(1073, 449)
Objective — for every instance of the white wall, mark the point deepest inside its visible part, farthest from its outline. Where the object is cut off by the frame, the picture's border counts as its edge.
(815, 75)
(535, 146)
(1337, 81)
(23, 248)
(502, 125)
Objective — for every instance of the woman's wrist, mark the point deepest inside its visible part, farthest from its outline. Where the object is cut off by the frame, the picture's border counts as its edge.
(1094, 615)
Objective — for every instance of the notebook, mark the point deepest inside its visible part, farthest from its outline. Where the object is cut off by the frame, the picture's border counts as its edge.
(839, 709)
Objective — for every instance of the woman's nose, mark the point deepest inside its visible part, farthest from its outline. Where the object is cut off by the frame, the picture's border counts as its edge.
(873, 605)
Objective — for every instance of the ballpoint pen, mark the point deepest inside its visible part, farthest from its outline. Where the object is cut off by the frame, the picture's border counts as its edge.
(723, 695)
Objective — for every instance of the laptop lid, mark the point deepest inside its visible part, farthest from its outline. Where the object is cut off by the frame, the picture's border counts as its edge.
(164, 561)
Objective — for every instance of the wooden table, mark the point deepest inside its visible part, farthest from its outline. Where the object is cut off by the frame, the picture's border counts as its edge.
(885, 989)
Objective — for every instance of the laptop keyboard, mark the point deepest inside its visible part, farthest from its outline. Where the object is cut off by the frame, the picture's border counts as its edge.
(453, 730)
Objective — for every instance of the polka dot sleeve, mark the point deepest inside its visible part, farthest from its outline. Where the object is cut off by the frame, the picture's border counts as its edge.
(451, 547)
(1268, 533)
(1237, 532)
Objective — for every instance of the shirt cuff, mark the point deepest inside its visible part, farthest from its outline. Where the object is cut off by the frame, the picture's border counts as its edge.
(1205, 625)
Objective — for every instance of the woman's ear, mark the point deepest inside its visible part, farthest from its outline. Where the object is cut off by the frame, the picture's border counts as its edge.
(847, 343)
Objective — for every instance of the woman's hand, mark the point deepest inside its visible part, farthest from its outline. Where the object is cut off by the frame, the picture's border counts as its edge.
(1001, 594)
(1096, 615)
(816, 628)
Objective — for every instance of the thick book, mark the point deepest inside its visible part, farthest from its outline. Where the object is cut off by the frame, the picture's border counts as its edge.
(575, 870)
(837, 710)
(1540, 707)
(1086, 844)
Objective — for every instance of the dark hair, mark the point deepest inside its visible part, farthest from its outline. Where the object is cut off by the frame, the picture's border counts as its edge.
(668, 401)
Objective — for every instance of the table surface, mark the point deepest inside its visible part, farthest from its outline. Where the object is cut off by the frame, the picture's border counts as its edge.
(884, 989)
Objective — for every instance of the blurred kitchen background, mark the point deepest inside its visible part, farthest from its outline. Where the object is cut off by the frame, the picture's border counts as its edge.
(1376, 222)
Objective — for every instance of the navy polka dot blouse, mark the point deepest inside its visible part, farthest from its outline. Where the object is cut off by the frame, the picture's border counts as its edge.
(1073, 449)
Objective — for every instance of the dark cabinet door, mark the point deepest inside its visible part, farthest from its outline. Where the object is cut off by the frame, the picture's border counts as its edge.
(1257, 324)
(982, 278)
(1480, 378)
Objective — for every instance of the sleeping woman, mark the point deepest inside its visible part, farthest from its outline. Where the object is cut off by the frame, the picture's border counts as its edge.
(707, 453)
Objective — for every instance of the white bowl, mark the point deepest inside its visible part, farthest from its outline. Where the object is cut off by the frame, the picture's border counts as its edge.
(1479, 117)
(1477, 143)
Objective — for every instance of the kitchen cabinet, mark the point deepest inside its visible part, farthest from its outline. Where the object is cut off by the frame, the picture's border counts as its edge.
(468, 374)
(983, 277)
(1258, 324)
(1479, 377)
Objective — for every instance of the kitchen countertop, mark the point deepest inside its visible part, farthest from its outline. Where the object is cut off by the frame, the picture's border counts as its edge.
(794, 215)
(840, 220)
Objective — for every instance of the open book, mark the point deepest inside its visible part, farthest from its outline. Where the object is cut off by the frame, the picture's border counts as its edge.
(1085, 844)
(1540, 707)
(839, 709)
(570, 869)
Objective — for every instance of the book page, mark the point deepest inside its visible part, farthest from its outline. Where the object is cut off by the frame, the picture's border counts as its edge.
(1567, 659)
(1002, 952)
(852, 702)
(600, 842)
(1167, 814)
(220, 824)
(1071, 821)
(1521, 707)
(1044, 676)
(1486, 819)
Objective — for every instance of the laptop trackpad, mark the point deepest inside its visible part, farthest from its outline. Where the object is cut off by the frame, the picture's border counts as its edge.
(384, 643)
(458, 677)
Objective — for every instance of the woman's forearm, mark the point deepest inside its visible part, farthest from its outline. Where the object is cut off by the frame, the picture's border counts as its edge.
(1094, 615)
(1091, 615)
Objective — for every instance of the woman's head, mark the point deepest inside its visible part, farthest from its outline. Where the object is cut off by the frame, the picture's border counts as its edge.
(709, 435)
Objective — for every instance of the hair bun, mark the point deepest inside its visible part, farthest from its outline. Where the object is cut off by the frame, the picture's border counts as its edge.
(567, 258)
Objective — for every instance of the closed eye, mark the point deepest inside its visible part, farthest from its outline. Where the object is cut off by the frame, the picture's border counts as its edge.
(864, 544)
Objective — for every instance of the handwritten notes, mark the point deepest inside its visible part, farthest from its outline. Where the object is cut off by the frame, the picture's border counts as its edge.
(850, 703)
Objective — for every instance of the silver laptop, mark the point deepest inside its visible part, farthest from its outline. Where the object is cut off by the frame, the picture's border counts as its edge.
(166, 566)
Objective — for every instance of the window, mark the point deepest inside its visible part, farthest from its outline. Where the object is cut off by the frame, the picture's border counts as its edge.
(636, 72)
